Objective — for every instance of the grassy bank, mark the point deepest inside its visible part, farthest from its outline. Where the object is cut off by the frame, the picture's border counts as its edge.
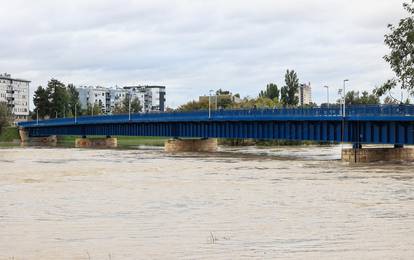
(122, 140)
(9, 134)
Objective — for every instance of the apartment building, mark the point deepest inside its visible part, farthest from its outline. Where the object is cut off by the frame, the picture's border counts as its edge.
(305, 94)
(15, 93)
(152, 98)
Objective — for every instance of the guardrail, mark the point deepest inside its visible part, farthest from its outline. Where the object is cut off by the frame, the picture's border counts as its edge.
(334, 111)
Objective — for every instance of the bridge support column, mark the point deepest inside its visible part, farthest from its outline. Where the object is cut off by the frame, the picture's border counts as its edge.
(191, 145)
(108, 142)
(24, 135)
(366, 155)
(47, 140)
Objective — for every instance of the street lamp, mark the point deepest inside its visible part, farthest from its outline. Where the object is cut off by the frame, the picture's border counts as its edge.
(76, 105)
(209, 103)
(129, 106)
(327, 94)
(344, 97)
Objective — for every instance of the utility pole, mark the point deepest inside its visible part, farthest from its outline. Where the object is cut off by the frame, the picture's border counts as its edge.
(209, 103)
(129, 106)
(343, 111)
(344, 98)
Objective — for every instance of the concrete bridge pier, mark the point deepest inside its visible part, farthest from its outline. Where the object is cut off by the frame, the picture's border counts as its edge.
(191, 145)
(44, 140)
(108, 142)
(357, 154)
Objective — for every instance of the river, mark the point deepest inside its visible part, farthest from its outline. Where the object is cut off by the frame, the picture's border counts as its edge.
(240, 203)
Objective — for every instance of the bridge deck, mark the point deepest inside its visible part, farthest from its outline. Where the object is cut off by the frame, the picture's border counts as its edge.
(385, 124)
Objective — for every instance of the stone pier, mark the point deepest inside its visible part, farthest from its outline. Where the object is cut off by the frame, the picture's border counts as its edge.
(44, 140)
(367, 155)
(191, 145)
(108, 142)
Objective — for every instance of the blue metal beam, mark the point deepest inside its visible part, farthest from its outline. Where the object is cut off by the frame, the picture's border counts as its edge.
(361, 125)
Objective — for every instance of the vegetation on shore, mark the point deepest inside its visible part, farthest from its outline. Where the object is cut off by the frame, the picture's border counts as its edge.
(122, 140)
(9, 134)
(58, 100)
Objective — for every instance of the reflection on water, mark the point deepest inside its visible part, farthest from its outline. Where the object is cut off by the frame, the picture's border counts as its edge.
(264, 203)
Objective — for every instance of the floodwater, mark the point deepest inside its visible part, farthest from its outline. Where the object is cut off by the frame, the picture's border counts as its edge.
(241, 203)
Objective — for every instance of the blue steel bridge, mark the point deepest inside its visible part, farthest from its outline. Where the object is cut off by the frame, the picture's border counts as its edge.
(373, 124)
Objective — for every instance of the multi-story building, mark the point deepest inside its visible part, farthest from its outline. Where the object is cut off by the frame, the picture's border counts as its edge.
(15, 92)
(115, 96)
(93, 96)
(151, 98)
(305, 94)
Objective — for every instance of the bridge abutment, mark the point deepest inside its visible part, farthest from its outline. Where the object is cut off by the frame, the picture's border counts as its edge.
(24, 138)
(191, 145)
(367, 155)
(108, 142)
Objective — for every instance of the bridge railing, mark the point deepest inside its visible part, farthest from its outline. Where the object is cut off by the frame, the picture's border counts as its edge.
(353, 111)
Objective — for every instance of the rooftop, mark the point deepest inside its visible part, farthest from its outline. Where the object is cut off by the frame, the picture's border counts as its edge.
(8, 76)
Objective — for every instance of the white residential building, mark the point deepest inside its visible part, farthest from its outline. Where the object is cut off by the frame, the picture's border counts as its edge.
(15, 92)
(305, 94)
(116, 95)
(93, 96)
(151, 98)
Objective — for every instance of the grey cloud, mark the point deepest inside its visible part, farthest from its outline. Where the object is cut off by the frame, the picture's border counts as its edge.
(194, 46)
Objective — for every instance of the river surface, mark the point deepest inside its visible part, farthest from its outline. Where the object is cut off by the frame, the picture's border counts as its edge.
(241, 203)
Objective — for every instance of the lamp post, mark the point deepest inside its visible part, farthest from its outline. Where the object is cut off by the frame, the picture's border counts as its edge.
(37, 116)
(209, 103)
(129, 106)
(327, 95)
(344, 98)
(76, 105)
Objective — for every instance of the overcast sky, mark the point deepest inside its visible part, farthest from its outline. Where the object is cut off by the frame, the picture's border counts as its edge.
(193, 46)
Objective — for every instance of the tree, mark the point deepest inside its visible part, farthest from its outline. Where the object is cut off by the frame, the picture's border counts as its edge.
(123, 107)
(400, 40)
(41, 102)
(92, 110)
(5, 115)
(354, 98)
(368, 99)
(118, 109)
(272, 91)
(289, 91)
(58, 98)
(73, 100)
(136, 106)
(194, 105)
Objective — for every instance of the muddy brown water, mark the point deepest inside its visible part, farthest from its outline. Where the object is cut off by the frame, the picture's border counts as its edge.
(241, 203)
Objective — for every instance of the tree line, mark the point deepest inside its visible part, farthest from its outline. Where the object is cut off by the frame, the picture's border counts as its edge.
(287, 96)
(58, 100)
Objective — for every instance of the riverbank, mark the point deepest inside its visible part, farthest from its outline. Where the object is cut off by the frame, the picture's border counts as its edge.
(10, 136)
(123, 140)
